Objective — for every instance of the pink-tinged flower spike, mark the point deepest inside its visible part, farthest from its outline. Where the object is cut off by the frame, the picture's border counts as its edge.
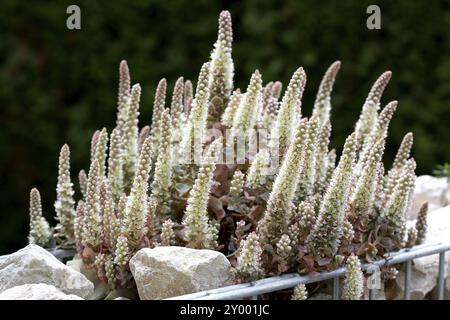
(150, 223)
(230, 110)
(122, 252)
(279, 206)
(82, 181)
(294, 233)
(111, 224)
(249, 265)
(283, 251)
(321, 155)
(64, 205)
(300, 292)
(396, 207)
(267, 94)
(246, 114)
(308, 176)
(270, 114)
(363, 197)
(421, 223)
(94, 141)
(411, 237)
(290, 111)
(322, 105)
(123, 95)
(402, 156)
(369, 112)
(222, 67)
(115, 168)
(325, 237)
(99, 265)
(379, 193)
(110, 270)
(276, 89)
(383, 121)
(167, 234)
(306, 215)
(130, 137)
(121, 207)
(200, 232)
(379, 132)
(92, 231)
(187, 97)
(105, 192)
(143, 134)
(237, 184)
(354, 280)
(404, 151)
(272, 90)
(193, 135)
(39, 228)
(256, 173)
(135, 217)
(269, 106)
(78, 225)
(100, 151)
(330, 168)
(348, 233)
(163, 167)
(158, 107)
(177, 111)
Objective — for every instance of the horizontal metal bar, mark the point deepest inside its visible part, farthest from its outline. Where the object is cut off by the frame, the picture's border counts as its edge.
(291, 280)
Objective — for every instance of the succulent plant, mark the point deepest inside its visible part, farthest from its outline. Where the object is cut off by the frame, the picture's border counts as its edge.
(421, 223)
(285, 208)
(300, 293)
(249, 265)
(39, 228)
(354, 280)
(64, 205)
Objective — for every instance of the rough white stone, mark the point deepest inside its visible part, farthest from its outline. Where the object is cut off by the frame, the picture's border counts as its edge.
(165, 272)
(100, 288)
(34, 264)
(447, 289)
(432, 189)
(36, 291)
(425, 270)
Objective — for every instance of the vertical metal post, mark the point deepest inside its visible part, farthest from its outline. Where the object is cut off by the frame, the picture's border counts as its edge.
(336, 288)
(408, 265)
(372, 294)
(441, 277)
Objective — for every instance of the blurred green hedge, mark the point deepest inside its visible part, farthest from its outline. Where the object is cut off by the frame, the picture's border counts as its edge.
(58, 86)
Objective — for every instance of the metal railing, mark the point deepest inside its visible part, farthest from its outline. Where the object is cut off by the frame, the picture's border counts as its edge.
(272, 284)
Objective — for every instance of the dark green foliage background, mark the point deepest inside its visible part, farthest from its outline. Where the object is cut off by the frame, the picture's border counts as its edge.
(58, 86)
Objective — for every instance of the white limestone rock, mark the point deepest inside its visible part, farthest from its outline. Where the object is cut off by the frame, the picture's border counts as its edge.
(36, 291)
(100, 288)
(432, 189)
(165, 272)
(447, 289)
(34, 264)
(425, 270)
